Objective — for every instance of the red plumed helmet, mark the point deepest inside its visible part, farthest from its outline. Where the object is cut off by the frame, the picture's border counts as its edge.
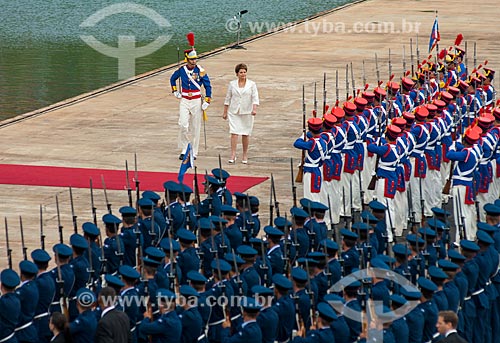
(459, 39)
(190, 39)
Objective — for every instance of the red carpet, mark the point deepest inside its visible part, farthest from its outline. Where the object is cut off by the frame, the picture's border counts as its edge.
(28, 175)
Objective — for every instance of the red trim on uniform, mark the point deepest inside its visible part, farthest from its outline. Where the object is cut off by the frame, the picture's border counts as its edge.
(191, 97)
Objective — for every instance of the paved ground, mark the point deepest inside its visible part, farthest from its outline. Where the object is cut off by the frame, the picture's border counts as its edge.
(105, 130)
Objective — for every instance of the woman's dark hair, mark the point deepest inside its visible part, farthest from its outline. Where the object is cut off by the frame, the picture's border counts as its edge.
(58, 320)
(239, 67)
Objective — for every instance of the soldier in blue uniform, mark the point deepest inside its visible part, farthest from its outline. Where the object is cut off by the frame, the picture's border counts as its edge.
(428, 308)
(401, 253)
(28, 295)
(429, 236)
(63, 276)
(168, 327)
(470, 270)
(339, 326)
(299, 233)
(349, 252)
(81, 268)
(274, 252)
(416, 262)
(46, 291)
(130, 235)
(198, 282)
(438, 276)
(207, 246)
(244, 220)
(222, 242)
(157, 210)
(415, 318)
(330, 248)
(379, 290)
(301, 297)
(248, 271)
(450, 288)
(150, 230)
(84, 327)
(238, 284)
(93, 254)
(188, 258)
(379, 211)
(112, 245)
(254, 210)
(232, 230)
(249, 331)
(284, 307)
(130, 297)
(352, 309)
(192, 323)
(147, 288)
(267, 318)
(224, 193)
(10, 306)
(212, 204)
(322, 332)
(399, 326)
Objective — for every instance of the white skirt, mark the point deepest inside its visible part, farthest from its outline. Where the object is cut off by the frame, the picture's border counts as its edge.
(240, 124)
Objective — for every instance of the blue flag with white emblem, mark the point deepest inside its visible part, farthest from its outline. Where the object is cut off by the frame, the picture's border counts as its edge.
(186, 163)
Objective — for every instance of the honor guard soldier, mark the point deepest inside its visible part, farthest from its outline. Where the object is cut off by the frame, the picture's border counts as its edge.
(161, 276)
(301, 297)
(450, 288)
(322, 332)
(284, 307)
(224, 193)
(415, 318)
(150, 230)
(117, 284)
(10, 306)
(81, 268)
(249, 331)
(188, 258)
(353, 319)
(147, 288)
(428, 307)
(130, 297)
(198, 282)
(232, 230)
(331, 248)
(274, 252)
(207, 247)
(254, 210)
(222, 243)
(267, 318)
(238, 284)
(248, 271)
(91, 233)
(63, 276)
(401, 253)
(168, 327)
(319, 276)
(438, 276)
(28, 295)
(299, 234)
(129, 235)
(416, 260)
(83, 328)
(157, 210)
(316, 150)
(192, 323)
(349, 252)
(46, 291)
(112, 245)
(192, 77)
(262, 263)
(339, 326)
(284, 225)
(379, 291)
(399, 326)
(212, 203)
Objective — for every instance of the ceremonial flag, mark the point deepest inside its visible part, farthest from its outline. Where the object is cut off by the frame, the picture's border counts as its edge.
(187, 162)
(435, 36)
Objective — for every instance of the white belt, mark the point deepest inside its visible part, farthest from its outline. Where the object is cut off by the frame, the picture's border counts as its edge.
(348, 147)
(41, 315)
(23, 327)
(138, 323)
(311, 165)
(236, 317)
(467, 298)
(217, 322)
(391, 169)
(55, 303)
(478, 292)
(488, 283)
(201, 337)
(7, 338)
(463, 178)
(133, 329)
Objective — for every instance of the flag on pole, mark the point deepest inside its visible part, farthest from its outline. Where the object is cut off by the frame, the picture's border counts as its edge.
(187, 162)
(435, 36)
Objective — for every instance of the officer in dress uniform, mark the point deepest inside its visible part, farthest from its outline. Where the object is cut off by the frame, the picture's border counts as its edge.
(46, 292)
(129, 235)
(188, 258)
(438, 276)
(274, 252)
(262, 263)
(81, 268)
(150, 230)
(198, 282)
(352, 310)
(450, 288)
(112, 245)
(147, 288)
(192, 77)
(130, 297)
(157, 210)
(284, 307)
(267, 318)
(84, 327)
(91, 233)
(63, 276)
(254, 210)
(168, 327)
(161, 276)
(334, 267)
(10, 306)
(248, 271)
(28, 295)
(192, 323)
(224, 193)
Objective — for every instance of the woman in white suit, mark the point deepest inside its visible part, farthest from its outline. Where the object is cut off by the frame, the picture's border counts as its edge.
(240, 107)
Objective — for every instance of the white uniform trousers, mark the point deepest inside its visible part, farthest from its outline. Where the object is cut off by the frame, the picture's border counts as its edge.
(432, 190)
(335, 193)
(366, 176)
(494, 190)
(390, 214)
(190, 116)
(306, 182)
(445, 174)
(468, 212)
(400, 212)
(415, 192)
(345, 194)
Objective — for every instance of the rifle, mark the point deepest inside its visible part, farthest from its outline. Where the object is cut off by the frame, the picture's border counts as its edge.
(23, 246)
(328, 274)
(377, 69)
(276, 203)
(300, 173)
(42, 236)
(197, 197)
(466, 57)
(263, 266)
(9, 250)
(353, 84)
(173, 267)
(73, 216)
(422, 203)
(294, 188)
(373, 181)
(393, 231)
(336, 88)
(60, 283)
(286, 259)
(351, 203)
(129, 190)
(361, 191)
(346, 82)
(390, 64)
(332, 226)
(460, 220)
(239, 282)
(325, 106)
(404, 59)
(136, 180)
(310, 231)
(310, 293)
(108, 205)
(411, 57)
(447, 185)
(364, 75)
(59, 226)
(418, 51)
(271, 204)
(475, 57)
(94, 209)
(315, 108)
(346, 217)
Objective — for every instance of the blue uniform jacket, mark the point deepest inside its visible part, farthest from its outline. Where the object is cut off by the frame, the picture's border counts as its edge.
(249, 333)
(10, 309)
(166, 329)
(268, 323)
(28, 295)
(84, 327)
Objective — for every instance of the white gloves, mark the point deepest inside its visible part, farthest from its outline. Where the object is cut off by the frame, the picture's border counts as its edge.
(177, 94)
(204, 106)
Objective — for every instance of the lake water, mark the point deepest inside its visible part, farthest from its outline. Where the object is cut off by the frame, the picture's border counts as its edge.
(44, 60)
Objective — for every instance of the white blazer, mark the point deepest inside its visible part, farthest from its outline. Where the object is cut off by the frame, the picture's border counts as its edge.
(241, 100)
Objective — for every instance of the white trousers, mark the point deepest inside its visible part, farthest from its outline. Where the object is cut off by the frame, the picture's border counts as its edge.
(468, 212)
(366, 176)
(306, 183)
(390, 203)
(400, 219)
(190, 116)
(345, 193)
(432, 190)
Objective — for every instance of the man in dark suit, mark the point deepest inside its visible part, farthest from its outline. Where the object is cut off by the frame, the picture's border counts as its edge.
(447, 325)
(114, 325)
